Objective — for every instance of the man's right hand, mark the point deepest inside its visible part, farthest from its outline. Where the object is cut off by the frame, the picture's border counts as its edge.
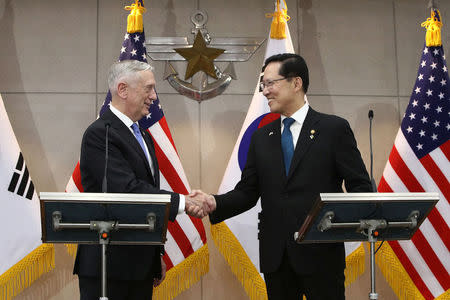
(199, 204)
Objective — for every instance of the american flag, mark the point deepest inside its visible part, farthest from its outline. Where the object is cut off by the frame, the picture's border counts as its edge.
(419, 162)
(186, 235)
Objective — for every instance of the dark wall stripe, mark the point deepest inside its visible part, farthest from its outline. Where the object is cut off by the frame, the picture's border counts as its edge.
(30, 191)
(19, 165)
(13, 183)
(24, 182)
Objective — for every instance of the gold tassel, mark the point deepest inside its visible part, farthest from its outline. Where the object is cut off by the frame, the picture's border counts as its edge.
(20, 276)
(72, 249)
(279, 20)
(135, 21)
(241, 265)
(398, 278)
(184, 275)
(396, 275)
(354, 265)
(433, 26)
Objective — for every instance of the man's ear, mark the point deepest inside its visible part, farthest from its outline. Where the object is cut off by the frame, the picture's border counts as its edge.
(298, 83)
(122, 90)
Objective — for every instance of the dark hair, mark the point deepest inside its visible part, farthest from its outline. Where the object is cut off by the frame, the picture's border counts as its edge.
(292, 65)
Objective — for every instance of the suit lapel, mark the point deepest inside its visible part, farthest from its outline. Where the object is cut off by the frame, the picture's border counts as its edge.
(126, 135)
(305, 140)
(151, 149)
(273, 149)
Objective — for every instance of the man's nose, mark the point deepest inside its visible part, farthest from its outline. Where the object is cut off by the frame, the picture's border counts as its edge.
(152, 95)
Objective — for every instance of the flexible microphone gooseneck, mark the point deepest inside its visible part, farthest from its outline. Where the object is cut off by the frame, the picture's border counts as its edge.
(105, 181)
(372, 180)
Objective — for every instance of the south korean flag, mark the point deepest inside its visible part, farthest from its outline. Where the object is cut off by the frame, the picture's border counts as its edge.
(20, 226)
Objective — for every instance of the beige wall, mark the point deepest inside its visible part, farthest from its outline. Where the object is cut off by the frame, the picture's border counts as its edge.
(362, 54)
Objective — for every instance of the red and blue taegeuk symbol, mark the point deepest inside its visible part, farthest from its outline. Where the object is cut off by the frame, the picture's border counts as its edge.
(245, 142)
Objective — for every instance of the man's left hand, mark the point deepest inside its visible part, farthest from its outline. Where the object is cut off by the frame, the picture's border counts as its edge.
(157, 281)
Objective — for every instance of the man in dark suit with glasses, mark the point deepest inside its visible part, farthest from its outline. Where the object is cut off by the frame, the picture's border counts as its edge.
(289, 162)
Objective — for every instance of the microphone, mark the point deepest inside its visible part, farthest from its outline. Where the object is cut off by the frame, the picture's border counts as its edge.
(372, 180)
(105, 182)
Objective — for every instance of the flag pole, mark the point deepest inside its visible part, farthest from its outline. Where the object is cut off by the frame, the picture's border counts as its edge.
(431, 5)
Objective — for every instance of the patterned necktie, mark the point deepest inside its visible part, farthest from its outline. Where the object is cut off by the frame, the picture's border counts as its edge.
(287, 143)
(139, 138)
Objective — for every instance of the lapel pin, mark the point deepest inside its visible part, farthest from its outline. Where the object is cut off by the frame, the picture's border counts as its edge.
(312, 133)
(270, 133)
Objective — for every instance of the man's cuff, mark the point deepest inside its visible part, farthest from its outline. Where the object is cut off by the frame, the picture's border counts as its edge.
(182, 204)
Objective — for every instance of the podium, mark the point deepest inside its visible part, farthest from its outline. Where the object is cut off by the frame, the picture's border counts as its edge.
(345, 217)
(104, 218)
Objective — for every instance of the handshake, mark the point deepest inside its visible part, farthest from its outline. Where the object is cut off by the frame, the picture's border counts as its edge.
(199, 204)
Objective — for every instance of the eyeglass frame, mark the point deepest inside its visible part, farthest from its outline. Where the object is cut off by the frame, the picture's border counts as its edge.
(269, 84)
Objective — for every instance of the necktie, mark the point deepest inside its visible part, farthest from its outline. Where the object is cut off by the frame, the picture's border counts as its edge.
(287, 143)
(139, 138)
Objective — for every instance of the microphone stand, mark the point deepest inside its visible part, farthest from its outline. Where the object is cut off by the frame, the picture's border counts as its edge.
(104, 232)
(370, 234)
(105, 182)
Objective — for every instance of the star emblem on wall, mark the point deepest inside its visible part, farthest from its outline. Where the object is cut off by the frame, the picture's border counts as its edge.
(200, 57)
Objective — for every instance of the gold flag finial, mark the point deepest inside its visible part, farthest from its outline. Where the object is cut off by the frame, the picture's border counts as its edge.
(433, 26)
(135, 22)
(279, 19)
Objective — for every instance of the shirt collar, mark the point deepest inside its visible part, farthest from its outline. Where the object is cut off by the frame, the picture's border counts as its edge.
(300, 115)
(124, 118)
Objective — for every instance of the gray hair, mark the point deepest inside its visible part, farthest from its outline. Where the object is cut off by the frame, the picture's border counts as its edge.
(125, 70)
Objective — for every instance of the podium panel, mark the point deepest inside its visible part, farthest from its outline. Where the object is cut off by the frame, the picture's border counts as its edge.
(346, 208)
(122, 209)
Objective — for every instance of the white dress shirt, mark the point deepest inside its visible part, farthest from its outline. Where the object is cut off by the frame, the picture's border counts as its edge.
(128, 122)
(299, 117)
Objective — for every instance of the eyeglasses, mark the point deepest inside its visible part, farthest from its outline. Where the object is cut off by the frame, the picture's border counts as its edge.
(269, 83)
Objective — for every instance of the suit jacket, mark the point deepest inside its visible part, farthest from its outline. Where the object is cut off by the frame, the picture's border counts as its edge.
(128, 172)
(325, 155)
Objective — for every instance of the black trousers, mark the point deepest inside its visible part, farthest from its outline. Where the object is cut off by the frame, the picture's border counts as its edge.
(90, 289)
(285, 284)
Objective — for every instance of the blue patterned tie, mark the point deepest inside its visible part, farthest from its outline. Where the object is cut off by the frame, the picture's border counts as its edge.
(287, 143)
(138, 135)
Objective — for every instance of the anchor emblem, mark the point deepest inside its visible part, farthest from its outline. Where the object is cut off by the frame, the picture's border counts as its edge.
(200, 57)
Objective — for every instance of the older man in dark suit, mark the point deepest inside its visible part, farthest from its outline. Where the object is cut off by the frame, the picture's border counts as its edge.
(289, 162)
(132, 168)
